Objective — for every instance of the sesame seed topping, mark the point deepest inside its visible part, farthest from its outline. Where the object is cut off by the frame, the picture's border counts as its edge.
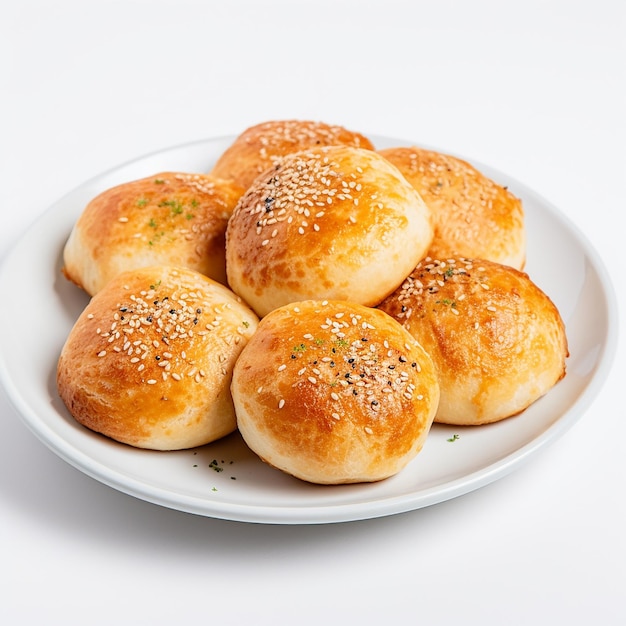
(146, 325)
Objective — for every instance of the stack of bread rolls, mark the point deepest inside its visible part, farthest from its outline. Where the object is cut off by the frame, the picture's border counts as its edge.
(329, 300)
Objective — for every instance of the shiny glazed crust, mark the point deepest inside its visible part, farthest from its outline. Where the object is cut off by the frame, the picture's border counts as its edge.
(170, 218)
(149, 361)
(334, 392)
(497, 341)
(473, 216)
(334, 222)
(256, 149)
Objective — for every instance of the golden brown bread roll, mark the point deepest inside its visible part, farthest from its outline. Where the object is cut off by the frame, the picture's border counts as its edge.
(149, 361)
(497, 341)
(171, 218)
(256, 149)
(334, 392)
(334, 222)
(473, 216)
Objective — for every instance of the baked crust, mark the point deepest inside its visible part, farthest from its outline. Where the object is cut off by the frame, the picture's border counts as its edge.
(473, 216)
(256, 149)
(149, 361)
(171, 218)
(334, 392)
(497, 341)
(335, 222)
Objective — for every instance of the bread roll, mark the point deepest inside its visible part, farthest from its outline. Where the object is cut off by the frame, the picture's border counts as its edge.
(497, 341)
(170, 218)
(149, 361)
(257, 148)
(334, 392)
(473, 216)
(328, 223)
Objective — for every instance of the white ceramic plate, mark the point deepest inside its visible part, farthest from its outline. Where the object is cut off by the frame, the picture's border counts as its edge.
(225, 479)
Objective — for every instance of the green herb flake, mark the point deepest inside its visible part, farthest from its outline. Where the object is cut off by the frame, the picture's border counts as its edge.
(159, 181)
(447, 302)
(215, 466)
(453, 438)
(142, 202)
(175, 205)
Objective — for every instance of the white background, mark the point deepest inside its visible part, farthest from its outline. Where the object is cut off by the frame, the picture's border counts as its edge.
(534, 88)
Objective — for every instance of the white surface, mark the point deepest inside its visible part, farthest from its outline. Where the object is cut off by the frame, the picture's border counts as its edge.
(559, 259)
(537, 90)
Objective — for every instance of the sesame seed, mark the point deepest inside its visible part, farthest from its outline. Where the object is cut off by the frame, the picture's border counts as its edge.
(281, 403)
